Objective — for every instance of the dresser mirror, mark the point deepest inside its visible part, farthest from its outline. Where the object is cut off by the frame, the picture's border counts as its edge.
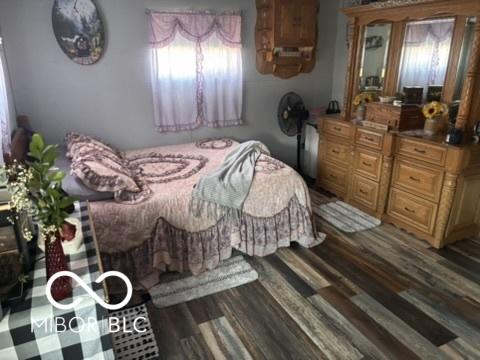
(374, 58)
(425, 55)
(465, 53)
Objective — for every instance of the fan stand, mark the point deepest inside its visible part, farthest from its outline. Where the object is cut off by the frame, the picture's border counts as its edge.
(299, 146)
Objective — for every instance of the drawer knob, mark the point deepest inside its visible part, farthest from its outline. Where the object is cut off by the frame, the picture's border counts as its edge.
(414, 179)
(363, 192)
(369, 139)
(335, 151)
(409, 210)
(332, 176)
(420, 151)
(337, 128)
(366, 164)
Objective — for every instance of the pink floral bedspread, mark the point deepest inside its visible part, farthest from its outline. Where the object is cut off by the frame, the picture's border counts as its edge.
(146, 239)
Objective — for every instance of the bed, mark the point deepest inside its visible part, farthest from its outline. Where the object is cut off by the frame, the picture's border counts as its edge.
(148, 236)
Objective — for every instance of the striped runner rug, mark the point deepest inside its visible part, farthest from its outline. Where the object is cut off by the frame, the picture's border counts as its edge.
(343, 216)
(230, 273)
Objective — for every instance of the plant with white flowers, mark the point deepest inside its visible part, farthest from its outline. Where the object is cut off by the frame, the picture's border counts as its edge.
(17, 176)
(36, 189)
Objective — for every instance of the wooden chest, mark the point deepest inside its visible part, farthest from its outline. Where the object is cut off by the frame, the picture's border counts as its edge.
(10, 260)
(401, 118)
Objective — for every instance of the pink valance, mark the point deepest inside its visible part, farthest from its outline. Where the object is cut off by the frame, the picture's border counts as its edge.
(439, 31)
(196, 27)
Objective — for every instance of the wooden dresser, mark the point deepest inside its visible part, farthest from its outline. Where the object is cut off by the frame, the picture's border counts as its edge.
(421, 185)
(418, 183)
(355, 163)
(435, 189)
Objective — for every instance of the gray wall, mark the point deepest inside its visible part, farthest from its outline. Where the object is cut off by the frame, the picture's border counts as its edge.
(112, 99)
(340, 59)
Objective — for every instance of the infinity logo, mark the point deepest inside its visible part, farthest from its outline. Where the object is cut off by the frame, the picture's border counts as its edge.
(88, 290)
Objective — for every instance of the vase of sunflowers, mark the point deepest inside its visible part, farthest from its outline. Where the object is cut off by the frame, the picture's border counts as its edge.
(435, 114)
(359, 102)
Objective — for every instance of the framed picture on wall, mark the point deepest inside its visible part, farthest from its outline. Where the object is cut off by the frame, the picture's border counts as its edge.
(79, 30)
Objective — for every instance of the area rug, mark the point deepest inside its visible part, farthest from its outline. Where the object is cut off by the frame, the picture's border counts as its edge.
(131, 344)
(345, 217)
(230, 273)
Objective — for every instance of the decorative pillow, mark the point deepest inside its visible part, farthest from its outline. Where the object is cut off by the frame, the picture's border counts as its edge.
(73, 186)
(104, 172)
(76, 142)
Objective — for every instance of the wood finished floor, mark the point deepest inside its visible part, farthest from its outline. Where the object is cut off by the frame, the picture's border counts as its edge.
(379, 294)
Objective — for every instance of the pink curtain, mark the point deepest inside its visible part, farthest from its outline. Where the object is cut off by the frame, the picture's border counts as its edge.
(426, 53)
(196, 62)
(4, 108)
(195, 27)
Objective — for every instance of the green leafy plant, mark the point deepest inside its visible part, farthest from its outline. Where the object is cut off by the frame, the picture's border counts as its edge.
(44, 186)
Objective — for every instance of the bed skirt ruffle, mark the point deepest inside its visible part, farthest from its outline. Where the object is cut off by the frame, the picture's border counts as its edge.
(173, 249)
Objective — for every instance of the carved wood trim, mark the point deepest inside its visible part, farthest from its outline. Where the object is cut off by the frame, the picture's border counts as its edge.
(352, 40)
(357, 65)
(440, 8)
(384, 189)
(454, 59)
(473, 73)
(444, 208)
(394, 58)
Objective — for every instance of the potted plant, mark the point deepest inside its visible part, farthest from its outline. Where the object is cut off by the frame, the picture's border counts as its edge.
(36, 188)
(435, 114)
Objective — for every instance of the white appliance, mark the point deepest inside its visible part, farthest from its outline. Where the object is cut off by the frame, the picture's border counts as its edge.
(311, 150)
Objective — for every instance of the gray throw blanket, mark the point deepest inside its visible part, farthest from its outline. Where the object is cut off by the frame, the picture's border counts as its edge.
(227, 187)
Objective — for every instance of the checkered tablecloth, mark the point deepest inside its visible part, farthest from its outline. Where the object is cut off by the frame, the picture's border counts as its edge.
(21, 337)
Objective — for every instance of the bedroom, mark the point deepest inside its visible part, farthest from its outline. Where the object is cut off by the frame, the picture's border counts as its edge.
(176, 124)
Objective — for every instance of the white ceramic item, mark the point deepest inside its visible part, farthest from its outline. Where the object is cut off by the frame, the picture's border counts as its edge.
(69, 247)
(386, 99)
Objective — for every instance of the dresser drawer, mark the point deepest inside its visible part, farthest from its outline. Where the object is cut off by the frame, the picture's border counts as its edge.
(369, 138)
(422, 151)
(338, 152)
(414, 211)
(368, 164)
(338, 128)
(364, 191)
(334, 178)
(421, 180)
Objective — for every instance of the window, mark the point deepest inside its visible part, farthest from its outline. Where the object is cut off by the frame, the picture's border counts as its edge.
(4, 110)
(196, 70)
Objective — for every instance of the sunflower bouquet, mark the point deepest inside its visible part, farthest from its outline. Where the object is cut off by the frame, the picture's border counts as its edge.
(364, 98)
(434, 109)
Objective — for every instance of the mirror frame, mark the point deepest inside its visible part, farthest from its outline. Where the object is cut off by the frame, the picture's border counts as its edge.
(360, 16)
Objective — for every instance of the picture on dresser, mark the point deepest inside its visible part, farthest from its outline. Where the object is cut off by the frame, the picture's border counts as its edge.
(434, 93)
(79, 30)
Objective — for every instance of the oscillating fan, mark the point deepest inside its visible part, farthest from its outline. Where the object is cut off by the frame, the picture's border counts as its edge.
(291, 117)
